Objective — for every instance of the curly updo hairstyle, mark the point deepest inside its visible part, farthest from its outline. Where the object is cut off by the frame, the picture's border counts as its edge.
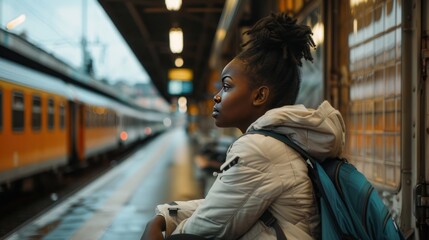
(273, 54)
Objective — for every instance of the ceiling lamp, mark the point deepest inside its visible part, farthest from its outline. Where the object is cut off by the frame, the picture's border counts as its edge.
(173, 5)
(178, 62)
(176, 40)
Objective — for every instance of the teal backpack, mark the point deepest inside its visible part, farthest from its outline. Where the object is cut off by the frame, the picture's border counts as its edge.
(350, 207)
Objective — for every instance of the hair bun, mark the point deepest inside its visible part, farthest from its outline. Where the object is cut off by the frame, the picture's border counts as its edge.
(280, 31)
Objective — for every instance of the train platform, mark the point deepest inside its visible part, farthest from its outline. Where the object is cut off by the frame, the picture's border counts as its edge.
(119, 203)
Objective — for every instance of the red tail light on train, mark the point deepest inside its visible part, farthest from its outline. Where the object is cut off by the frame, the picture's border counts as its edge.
(124, 136)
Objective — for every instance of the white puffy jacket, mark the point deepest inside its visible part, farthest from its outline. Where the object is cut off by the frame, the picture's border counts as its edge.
(268, 175)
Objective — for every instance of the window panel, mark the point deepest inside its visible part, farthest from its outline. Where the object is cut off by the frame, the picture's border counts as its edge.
(374, 116)
(51, 113)
(36, 115)
(62, 116)
(87, 117)
(18, 111)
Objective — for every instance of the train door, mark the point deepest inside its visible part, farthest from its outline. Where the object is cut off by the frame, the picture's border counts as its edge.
(81, 134)
(76, 133)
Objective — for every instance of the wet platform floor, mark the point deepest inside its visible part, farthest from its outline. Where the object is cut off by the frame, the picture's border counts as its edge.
(120, 203)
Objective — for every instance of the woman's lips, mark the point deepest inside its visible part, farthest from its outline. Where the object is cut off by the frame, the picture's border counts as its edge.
(215, 113)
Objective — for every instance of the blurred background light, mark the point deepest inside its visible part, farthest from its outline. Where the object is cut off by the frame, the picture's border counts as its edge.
(173, 5)
(178, 62)
(176, 40)
(318, 33)
(15, 22)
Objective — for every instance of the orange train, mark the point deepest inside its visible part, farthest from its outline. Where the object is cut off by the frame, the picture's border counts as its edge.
(47, 123)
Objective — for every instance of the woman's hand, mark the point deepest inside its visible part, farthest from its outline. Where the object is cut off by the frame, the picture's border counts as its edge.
(154, 229)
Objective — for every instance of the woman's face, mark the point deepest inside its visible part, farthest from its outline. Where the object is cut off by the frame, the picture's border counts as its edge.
(234, 102)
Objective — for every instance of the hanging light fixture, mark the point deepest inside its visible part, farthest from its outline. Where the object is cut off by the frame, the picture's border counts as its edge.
(173, 5)
(179, 62)
(176, 40)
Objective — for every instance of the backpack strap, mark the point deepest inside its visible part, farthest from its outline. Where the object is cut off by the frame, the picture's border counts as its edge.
(285, 139)
(270, 221)
(312, 171)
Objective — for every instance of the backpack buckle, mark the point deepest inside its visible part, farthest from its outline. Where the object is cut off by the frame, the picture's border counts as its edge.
(309, 163)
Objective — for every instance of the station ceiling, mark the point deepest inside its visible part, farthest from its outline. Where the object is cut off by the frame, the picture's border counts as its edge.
(145, 26)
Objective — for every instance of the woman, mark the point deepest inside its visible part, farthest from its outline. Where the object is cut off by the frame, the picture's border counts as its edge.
(259, 88)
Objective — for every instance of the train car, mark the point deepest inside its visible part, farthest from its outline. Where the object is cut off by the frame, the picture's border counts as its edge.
(93, 124)
(33, 126)
(51, 122)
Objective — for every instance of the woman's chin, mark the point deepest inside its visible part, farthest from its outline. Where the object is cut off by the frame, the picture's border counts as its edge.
(218, 123)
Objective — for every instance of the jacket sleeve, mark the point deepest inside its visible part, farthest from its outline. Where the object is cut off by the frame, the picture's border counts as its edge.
(176, 212)
(239, 196)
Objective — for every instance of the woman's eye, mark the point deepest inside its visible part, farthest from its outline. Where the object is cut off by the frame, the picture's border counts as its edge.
(225, 87)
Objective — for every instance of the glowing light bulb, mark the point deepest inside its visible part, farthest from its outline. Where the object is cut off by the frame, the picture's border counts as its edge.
(173, 5)
(178, 62)
(176, 40)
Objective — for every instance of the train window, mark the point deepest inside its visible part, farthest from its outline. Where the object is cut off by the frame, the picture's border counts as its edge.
(36, 115)
(93, 119)
(102, 115)
(97, 119)
(374, 110)
(108, 118)
(111, 119)
(51, 113)
(104, 119)
(62, 116)
(18, 111)
(87, 117)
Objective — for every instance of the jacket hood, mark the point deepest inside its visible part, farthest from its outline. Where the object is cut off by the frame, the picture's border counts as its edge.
(320, 132)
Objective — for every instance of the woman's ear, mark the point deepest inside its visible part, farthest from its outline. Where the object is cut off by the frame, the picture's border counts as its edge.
(261, 95)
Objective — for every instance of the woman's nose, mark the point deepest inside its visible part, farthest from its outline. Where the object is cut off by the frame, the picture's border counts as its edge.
(217, 99)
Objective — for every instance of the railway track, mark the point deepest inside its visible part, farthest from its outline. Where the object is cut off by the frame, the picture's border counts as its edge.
(40, 194)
